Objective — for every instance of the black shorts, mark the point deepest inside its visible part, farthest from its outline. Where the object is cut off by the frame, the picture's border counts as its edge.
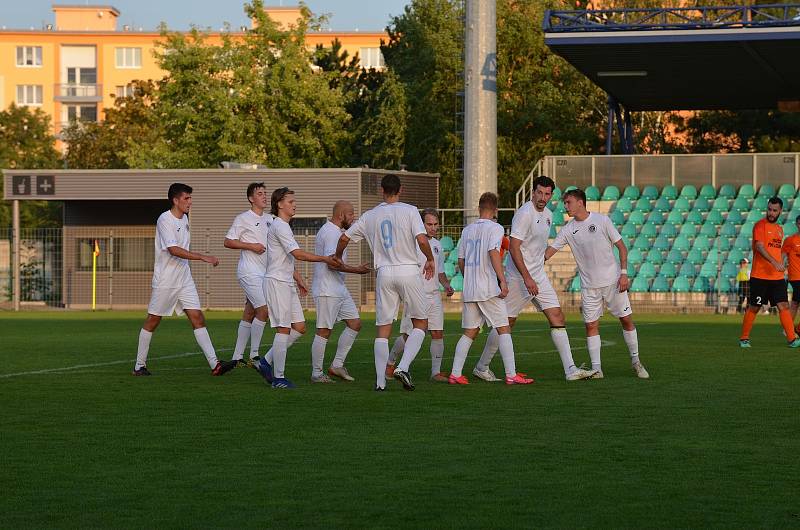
(795, 290)
(772, 291)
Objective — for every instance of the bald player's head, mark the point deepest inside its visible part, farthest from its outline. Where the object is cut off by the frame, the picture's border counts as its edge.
(343, 214)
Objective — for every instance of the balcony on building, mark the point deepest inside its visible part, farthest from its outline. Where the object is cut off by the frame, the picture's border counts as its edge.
(78, 92)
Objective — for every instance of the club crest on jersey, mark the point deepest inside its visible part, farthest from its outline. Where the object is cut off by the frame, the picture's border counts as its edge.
(436, 249)
(548, 222)
(592, 229)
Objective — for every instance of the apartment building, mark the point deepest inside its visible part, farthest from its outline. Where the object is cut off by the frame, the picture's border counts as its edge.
(74, 68)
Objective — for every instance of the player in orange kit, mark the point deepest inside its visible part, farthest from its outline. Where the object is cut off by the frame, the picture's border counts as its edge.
(791, 247)
(767, 280)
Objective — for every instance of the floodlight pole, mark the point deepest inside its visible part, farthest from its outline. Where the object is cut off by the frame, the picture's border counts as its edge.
(480, 113)
(17, 262)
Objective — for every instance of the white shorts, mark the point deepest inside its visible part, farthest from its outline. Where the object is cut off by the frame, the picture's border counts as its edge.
(283, 303)
(391, 289)
(435, 315)
(491, 312)
(253, 287)
(331, 309)
(592, 301)
(165, 302)
(519, 297)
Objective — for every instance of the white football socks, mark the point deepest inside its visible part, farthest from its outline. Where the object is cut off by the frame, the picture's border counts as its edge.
(489, 349)
(506, 346)
(256, 332)
(144, 347)
(202, 338)
(346, 340)
(460, 356)
(293, 336)
(561, 340)
(413, 344)
(632, 340)
(381, 349)
(437, 352)
(242, 336)
(397, 349)
(318, 355)
(279, 346)
(593, 344)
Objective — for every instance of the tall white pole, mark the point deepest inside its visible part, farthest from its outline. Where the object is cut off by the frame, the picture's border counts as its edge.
(16, 265)
(480, 92)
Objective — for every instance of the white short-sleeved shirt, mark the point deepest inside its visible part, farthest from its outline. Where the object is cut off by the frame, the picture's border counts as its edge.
(249, 227)
(532, 227)
(280, 245)
(592, 241)
(390, 231)
(170, 271)
(432, 285)
(327, 282)
(477, 240)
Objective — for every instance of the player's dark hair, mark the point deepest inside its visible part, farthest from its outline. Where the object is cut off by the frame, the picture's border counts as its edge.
(488, 201)
(578, 193)
(252, 187)
(390, 184)
(176, 189)
(545, 182)
(430, 211)
(776, 200)
(277, 196)
(797, 219)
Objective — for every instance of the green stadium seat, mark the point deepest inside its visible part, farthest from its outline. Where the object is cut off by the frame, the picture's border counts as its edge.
(675, 256)
(741, 204)
(641, 242)
(766, 191)
(714, 216)
(700, 285)
(789, 228)
(702, 243)
(724, 244)
(668, 270)
(695, 257)
(754, 216)
(681, 244)
(669, 192)
(570, 188)
(713, 253)
(708, 229)
(724, 285)
(636, 217)
(447, 243)
(592, 193)
(617, 217)
(742, 243)
(675, 217)
(707, 191)
(640, 285)
(452, 257)
(747, 228)
(681, 205)
(729, 230)
(646, 270)
(650, 192)
(747, 191)
(558, 218)
(735, 217)
(688, 230)
(662, 243)
(629, 230)
(669, 230)
(689, 192)
(631, 270)
(701, 205)
(552, 205)
(687, 270)
(681, 285)
(623, 205)
(611, 193)
(449, 269)
(727, 191)
(709, 269)
(635, 256)
(649, 230)
(721, 204)
(760, 203)
(729, 270)
(556, 194)
(660, 285)
(643, 205)
(656, 217)
(694, 217)
(786, 192)
(457, 282)
(655, 257)
(662, 205)
(735, 256)
(575, 284)
(631, 193)
(553, 231)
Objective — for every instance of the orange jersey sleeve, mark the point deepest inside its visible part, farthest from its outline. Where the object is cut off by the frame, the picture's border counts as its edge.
(771, 235)
(791, 247)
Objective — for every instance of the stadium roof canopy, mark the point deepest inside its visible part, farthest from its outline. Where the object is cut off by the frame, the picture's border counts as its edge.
(699, 58)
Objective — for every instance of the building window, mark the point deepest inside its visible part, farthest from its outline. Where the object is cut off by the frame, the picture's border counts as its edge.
(29, 56)
(29, 95)
(130, 254)
(371, 58)
(129, 57)
(85, 251)
(81, 113)
(123, 91)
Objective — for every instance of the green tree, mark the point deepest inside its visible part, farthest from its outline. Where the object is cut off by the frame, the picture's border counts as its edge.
(26, 142)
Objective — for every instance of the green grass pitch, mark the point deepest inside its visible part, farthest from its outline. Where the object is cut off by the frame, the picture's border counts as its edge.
(711, 440)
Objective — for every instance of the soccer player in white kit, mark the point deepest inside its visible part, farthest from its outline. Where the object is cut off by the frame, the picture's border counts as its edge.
(280, 290)
(484, 289)
(173, 287)
(430, 218)
(248, 233)
(528, 283)
(332, 299)
(393, 230)
(604, 280)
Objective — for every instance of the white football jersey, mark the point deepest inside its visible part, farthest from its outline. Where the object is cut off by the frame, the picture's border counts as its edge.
(477, 239)
(280, 245)
(592, 241)
(533, 229)
(432, 285)
(327, 282)
(170, 271)
(390, 231)
(249, 227)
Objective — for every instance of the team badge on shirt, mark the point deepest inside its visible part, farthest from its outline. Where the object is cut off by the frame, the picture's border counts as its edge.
(592, 229)
(548, 222)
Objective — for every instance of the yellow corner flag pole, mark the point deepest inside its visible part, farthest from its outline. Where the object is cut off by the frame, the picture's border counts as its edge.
(95, 253)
